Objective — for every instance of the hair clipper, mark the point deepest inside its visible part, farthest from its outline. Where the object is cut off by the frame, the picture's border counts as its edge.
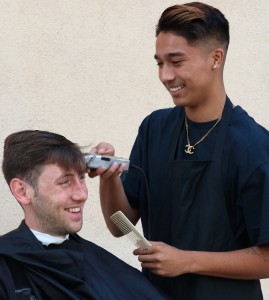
(94, 161)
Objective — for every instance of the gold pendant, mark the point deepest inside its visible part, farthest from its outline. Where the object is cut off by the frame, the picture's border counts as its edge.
(189, 149)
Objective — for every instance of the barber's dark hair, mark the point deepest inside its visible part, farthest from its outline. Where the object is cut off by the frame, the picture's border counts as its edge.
(195, 21)
(26, 152)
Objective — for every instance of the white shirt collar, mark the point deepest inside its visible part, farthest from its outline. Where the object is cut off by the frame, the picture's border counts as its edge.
(47, 239)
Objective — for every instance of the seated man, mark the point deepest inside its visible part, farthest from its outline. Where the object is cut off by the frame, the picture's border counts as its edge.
(45, 258)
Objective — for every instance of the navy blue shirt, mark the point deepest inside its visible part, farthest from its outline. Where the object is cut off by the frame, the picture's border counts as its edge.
(245, 167)
(244, 174)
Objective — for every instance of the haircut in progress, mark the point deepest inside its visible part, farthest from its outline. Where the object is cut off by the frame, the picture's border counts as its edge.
(24, 160)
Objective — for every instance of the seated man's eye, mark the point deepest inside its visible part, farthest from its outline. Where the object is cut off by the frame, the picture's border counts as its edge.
(65, 182)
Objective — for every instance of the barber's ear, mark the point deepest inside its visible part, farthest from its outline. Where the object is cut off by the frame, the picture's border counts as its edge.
(21, 190)
(218, 57)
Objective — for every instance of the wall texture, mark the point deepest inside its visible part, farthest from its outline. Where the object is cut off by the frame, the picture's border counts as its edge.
(85, 69)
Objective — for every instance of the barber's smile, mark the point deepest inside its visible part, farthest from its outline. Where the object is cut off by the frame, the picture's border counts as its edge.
(176, 89)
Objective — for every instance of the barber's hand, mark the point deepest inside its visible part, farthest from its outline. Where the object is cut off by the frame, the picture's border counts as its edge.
(162, 259)
(103, 148)
(115, 170)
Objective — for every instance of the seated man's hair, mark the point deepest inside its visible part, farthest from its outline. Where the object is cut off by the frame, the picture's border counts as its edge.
(25, 152)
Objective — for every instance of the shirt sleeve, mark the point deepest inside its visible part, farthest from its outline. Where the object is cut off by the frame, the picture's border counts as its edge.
(255, 199)
(132, 180)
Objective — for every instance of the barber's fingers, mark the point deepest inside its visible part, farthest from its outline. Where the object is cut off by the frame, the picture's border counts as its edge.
(114, 171)
(144, 250)
(120, 169)
(96, 172)
(103, 148)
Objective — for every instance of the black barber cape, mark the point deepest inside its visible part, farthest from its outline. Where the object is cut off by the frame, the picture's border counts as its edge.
(76, 269)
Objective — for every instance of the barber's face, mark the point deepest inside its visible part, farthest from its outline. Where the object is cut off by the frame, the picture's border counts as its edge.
(57, 206)
(185, 71)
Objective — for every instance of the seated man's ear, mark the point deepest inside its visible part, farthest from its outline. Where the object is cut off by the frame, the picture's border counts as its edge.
(21, 190)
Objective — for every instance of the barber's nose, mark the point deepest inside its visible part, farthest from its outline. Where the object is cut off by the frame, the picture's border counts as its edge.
(166, 73)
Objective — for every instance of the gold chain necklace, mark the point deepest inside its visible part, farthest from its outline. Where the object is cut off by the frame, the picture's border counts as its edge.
(190, 148)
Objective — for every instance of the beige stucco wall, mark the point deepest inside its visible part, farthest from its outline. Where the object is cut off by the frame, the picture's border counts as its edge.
(85, 69)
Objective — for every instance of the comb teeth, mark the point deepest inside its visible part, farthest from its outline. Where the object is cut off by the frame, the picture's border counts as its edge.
(128, 229)
(121, 224)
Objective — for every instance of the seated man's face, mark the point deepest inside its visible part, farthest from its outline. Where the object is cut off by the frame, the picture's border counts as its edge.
(57, 205)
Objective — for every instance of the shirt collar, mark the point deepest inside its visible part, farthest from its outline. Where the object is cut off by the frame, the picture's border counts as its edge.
(47, 239)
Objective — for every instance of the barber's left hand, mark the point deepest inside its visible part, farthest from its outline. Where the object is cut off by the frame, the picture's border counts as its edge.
(162, 259)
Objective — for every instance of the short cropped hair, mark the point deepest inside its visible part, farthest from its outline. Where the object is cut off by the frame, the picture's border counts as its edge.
(26, 152)
(195, 22)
